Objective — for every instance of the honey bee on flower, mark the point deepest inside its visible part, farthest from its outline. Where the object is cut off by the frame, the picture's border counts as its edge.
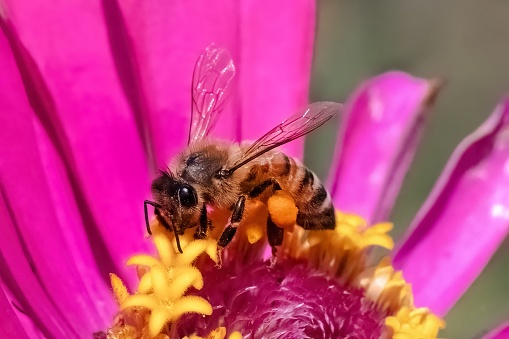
(226, 175)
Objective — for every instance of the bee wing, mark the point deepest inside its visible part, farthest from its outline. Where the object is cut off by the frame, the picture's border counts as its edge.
(212, 75)
(304, 121)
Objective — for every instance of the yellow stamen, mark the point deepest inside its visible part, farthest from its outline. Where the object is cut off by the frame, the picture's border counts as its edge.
(158, 318)
(138, 300)
(235, 335)
(142, 260)
(119, 289)
(191, 277)
(164, 249)
(340, 252)
(194, 249)
(191, 304)
(145, 284)
(219, 333)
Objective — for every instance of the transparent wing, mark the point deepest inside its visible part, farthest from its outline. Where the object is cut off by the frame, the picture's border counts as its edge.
(212, 75)
(304, 121)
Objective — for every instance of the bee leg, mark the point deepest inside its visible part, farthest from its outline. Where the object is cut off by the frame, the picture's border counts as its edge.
(275, 235)
(201, 231)
(156, 212)
(231, 228)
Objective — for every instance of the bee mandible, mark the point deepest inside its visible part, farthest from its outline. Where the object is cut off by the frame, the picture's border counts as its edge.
(226, 175)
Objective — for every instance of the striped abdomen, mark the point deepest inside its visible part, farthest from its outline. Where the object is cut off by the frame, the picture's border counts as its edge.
(311, 198)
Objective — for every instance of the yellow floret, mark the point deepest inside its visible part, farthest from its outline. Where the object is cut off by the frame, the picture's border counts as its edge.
(160, 295)
(411, 323)
(219, 333)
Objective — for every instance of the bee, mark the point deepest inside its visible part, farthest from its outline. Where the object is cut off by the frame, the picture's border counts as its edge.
(226, 175)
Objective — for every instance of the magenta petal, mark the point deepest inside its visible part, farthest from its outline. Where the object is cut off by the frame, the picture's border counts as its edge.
(43, 239)
(10, 326)
(75, 92)
(166, 39)
(464, 219)
(382, 125)
(275, 63)
(18, 276)
(274, 44)
(501, 332)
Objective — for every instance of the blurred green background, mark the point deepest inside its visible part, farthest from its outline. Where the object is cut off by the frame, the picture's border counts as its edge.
(463, 42)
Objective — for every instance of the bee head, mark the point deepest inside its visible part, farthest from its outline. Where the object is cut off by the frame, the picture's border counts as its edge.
(178, 202)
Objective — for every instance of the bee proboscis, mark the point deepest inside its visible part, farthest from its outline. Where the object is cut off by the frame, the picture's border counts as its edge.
(226, 175)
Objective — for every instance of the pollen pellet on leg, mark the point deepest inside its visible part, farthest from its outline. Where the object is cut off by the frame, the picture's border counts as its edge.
(282, 209)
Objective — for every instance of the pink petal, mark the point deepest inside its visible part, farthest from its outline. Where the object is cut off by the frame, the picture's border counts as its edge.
(22, 281)
(464, 219)
(46, 232)
(75, 91)
(275, 63)
(10, 327)
(166, 41)
(270, 44)
(382, 126)
(501, 332)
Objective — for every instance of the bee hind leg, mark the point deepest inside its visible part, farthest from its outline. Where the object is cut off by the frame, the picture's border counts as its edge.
(231, 228)
(275, 235)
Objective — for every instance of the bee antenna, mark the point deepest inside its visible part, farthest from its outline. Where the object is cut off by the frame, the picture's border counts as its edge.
(177, 240)
(174, 231)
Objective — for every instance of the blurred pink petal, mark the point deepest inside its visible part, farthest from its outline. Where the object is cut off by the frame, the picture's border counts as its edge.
(166, 41)
(501, 332)
(382, 125)
(464, 219)
(44, 222)
(276, 53)
(273, 65)
(20, 275)
(76, 95)
(11, 324)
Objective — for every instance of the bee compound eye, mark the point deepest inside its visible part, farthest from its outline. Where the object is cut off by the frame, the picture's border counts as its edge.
(187, 196)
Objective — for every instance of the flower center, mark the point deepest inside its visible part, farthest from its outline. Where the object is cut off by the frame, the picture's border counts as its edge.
(320, 284)
(266, 300)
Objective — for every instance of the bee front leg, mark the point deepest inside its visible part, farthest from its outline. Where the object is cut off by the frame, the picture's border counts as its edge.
(231, 228)
(156, 212)
(203, 226)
